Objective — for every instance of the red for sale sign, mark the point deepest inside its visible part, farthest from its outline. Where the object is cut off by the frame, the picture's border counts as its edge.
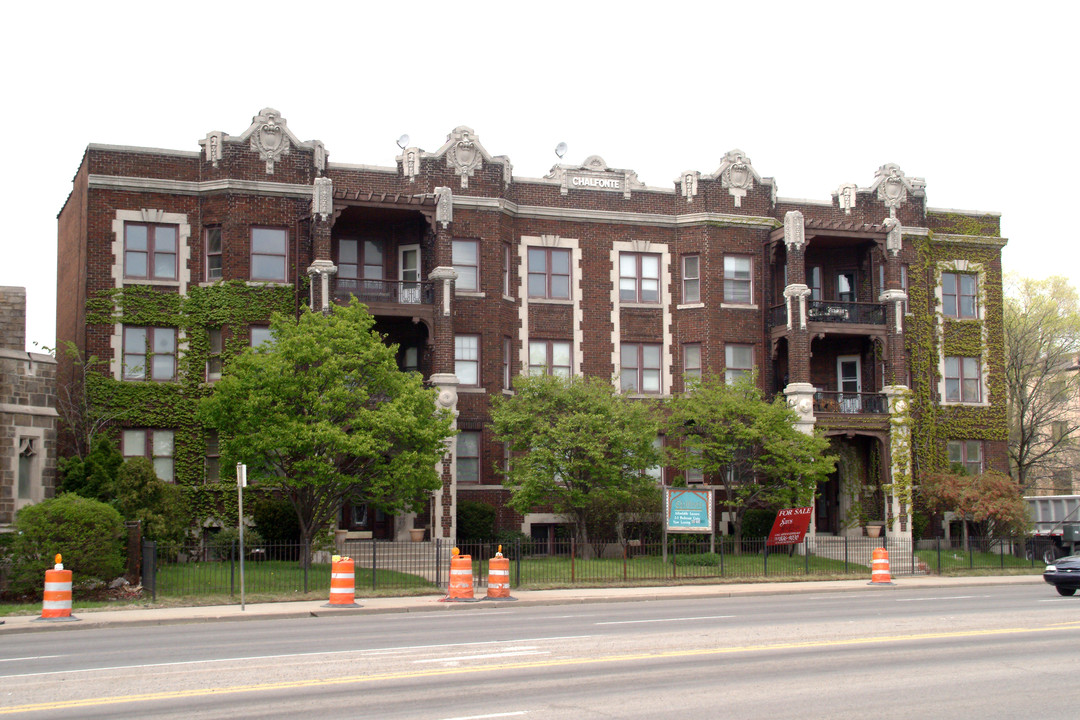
(790, 526)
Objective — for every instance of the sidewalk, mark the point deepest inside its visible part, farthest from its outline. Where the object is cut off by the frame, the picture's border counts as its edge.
(430, 603)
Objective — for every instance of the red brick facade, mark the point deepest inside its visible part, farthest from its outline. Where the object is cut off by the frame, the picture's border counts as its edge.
(461, 192)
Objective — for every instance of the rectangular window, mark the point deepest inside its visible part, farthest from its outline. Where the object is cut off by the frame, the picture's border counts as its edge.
(738, 285)
(213, 457)
(213, 359)
(639, 277)
(213, 254)
(348, 260)
(410, 359)
(467, 359)
(468, 457)
(28, 468)
(466, 261)
(507, 349)
(903, 284)
(695, 476)
(549, 357)
(656, 472)
(738, 362)
(965, 455)
(506, 269)
(691, 359)
(549, 273)
(963, 379)
(150, 251)
(640, 368)
(155, 445)
(261, 335)
(269, 252)
(958, 292)
(691, 279)
(149, 353)
(845, 286)
(815, 283)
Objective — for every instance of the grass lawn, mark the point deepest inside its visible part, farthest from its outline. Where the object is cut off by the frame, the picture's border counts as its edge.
(954, 561)
(273, 577)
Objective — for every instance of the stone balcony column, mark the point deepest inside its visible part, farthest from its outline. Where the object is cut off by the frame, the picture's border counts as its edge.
(898, 501)
(444, 510)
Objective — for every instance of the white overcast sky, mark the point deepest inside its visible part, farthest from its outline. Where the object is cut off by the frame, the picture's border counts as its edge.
(977, 98)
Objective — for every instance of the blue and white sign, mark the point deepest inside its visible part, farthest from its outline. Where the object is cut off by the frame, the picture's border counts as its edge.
(688, 511)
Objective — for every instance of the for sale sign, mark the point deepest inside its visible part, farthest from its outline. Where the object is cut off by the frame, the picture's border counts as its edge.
(790, 526)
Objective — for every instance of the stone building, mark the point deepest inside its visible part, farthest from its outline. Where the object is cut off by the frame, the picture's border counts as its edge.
(878, 317)
(27, 413)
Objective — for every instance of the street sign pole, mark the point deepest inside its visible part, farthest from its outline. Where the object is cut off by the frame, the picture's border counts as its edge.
(241, 483)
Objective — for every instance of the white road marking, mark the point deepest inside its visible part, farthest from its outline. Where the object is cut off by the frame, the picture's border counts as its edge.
(489, 656)
(484, 717)
(954, 597)
(378, 651)
(33, 657)
(659, 620)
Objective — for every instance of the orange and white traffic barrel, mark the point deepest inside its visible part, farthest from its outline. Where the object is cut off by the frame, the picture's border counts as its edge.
(499, 577)
(56, 604)
(342, 583)
(879, 569)
(461, 578)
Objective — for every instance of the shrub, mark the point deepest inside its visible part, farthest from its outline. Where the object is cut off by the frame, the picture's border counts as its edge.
(88, 534)
(758, 523)
(475, 520)
(93, 477)
(158, 505)
(275, 520)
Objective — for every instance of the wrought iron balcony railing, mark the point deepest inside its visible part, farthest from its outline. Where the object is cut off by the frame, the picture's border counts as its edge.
(845, 312)
(849, 403)
(387, 291)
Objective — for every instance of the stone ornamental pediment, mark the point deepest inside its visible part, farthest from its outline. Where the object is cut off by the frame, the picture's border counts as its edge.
(737, 175)
(594, 174)
(892, 186)
(270, 137)
(464, 155)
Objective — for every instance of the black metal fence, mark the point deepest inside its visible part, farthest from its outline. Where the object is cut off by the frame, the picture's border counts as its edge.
(407, 567)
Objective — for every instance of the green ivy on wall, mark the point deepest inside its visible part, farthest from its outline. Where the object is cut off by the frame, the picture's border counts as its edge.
(230, 306)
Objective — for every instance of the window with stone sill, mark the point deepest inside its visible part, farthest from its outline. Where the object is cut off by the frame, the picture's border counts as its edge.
(465, 256)
(213, 360)
(468, 457)
(738, 362)
(738, 280)
(549, 357)
(212, 259)
(155, 445)
(640, 371)
(269, 254)
(966, 456)
(150, 251)
(549, 273)
(149, 353)
(213, 457)
(639, 277)
(958, 295)
(467, 359)
(691, 362)
(963, 380)
(691, 279)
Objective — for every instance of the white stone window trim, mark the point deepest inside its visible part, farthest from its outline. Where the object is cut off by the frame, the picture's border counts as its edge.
(37, 489)
(154, 217)
(739, 306)
(690, 306)
(469, 293)
(667, 352)
(116, 342)
(578, 316)
(974, 268)
(469, 390)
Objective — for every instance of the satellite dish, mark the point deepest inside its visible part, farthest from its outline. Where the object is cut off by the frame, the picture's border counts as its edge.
(403, 141)
(560, 149)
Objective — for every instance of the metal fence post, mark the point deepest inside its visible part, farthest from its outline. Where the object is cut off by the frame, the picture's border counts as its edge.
(722, 555)
(306, 549)
(517, 561)
(806, 553)
(232, 568)
(846, 538)
(438, 562)
(149, 567)
(374, 564)
(938, 556)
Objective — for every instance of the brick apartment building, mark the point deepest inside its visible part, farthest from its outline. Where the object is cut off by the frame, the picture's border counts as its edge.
(879, 318)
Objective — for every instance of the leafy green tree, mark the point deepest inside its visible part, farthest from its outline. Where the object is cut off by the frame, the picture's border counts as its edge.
(575, 442)
(93, 476)
(323, 413)
(732, 432)
(1042, 344)
(87, 533)
(139, 494)
(989, 496)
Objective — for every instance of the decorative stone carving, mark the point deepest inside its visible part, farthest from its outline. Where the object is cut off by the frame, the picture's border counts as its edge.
(214, 147)
(894, 235)
(846, 195)
(319, 156)
(465, 155)
(320, 272)
(322, 198)
(737, 174)
(892, 186)
(794, 229)
(690, 184)
(410, 163)
(444, 208)
(594, 174)
(446, 275)
(269, 138)
(800, 398)
(799, 292)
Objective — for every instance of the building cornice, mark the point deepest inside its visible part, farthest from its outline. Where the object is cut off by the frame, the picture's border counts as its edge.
(144, 150)
(994, 242)
(953, 211)
(191, 187)
(536, 212)
(7, 408)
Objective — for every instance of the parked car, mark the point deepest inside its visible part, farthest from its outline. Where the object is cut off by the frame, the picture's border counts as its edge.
(1064, 574)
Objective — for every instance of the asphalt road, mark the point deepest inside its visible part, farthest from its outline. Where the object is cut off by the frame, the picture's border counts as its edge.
(988, 652)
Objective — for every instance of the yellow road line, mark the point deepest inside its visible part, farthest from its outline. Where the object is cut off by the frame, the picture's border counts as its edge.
(412, 674)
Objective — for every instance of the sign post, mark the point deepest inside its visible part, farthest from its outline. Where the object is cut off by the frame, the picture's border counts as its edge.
(241, 483)
(688, 511)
